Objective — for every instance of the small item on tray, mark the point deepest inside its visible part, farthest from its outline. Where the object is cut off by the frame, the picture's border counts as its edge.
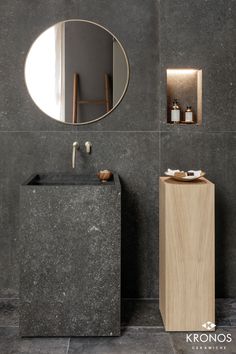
(188, 176)
(180, 174)
(104, 175)
(195, 173)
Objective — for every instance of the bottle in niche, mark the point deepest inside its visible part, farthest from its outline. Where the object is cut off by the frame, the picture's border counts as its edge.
(175, 112)
(188, 115)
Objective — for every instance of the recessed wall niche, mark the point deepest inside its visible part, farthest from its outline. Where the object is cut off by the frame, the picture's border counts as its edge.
(185, 86)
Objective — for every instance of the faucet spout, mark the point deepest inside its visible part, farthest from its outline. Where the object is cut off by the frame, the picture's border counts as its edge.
(74, 148)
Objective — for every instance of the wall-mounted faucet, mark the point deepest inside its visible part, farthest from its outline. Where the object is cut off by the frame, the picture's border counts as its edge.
(75, 147)
(88, 147)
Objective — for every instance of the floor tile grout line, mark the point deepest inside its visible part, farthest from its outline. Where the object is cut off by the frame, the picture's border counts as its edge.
(143, 327)
(172, 344)
(118, 131)
(68, 346)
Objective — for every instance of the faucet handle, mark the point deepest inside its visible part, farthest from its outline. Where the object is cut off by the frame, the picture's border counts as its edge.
(76, 145)
(88, 147)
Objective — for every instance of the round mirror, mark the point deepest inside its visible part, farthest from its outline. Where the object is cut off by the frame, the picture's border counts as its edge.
(77, 72)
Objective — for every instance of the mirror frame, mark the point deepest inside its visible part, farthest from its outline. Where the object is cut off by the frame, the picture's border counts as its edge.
(126, 84)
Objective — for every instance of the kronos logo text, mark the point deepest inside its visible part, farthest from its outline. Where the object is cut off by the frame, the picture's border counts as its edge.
(211, 338)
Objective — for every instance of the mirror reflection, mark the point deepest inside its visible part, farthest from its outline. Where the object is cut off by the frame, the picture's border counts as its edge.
(77, 72)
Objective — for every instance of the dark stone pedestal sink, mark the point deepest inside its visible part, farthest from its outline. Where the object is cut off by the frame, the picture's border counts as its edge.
(69, 243)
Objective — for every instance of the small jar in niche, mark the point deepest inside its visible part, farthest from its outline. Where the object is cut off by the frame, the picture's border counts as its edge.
(188, 117)
(175, 112)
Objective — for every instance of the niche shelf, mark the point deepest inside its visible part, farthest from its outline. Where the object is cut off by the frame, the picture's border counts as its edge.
(185, 85)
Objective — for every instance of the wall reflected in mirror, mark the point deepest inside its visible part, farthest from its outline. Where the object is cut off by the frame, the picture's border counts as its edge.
(77, 72)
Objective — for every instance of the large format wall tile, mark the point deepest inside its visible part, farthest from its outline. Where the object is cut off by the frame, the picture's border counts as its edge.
(20, 156)
(134, 23)
(187, 151)
(8, 270)
(136, 159)
(215, 154)
(228, 240)
(199, 34)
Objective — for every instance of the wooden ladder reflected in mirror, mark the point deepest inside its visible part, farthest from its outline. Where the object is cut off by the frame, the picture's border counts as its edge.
(77, 101)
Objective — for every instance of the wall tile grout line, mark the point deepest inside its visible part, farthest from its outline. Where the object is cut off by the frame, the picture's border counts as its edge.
(143, 327)
(6, 326)
(159, 165)
(140, 298)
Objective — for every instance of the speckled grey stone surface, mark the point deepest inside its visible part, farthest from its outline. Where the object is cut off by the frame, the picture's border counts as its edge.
(51, 151)
(141, 313)
(129, 343)
(12, 343)
(135, 23)
(142, 332)
(70, 244)
(9, 312)
(155, 35)
(200, 34)
(125, 141)
(136, 315)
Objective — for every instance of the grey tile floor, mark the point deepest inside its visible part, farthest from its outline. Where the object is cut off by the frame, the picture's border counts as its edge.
(142, 333)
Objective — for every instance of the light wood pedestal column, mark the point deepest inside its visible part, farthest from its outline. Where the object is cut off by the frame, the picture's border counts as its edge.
(187, 254)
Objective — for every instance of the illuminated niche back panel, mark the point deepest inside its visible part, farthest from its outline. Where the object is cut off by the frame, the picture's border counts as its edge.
(185, 85)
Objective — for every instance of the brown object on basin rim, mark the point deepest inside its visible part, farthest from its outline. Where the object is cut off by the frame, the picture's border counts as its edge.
(104, 175)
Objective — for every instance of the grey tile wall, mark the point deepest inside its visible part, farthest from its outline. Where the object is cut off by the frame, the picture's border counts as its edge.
(205, 151)
(135, 23)
(133, 155)
(134, 140)
(199, 34)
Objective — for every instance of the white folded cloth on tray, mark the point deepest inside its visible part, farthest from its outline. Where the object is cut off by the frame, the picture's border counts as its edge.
(172, 172)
